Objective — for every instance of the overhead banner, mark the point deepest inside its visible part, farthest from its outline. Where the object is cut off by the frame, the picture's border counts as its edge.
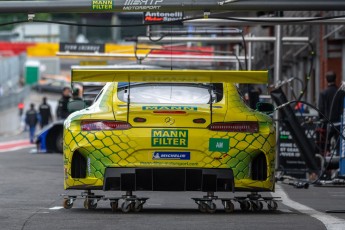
(102, 5)
(150, 17)
(81, 48)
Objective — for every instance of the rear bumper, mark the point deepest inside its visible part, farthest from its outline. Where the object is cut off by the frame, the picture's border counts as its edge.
(168, 179)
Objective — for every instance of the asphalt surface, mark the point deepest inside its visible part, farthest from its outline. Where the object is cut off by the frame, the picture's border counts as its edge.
(31, 184)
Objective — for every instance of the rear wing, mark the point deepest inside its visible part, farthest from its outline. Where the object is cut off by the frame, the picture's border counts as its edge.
(183, 76)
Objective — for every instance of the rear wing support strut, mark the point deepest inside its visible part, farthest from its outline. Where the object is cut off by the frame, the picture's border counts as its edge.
(211, 99)
(128, 100)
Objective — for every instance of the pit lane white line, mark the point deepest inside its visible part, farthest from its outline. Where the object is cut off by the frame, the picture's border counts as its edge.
(56, 208)
(330, 222)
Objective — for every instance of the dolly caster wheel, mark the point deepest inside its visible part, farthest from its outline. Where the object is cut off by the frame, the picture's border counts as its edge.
(257, 206)
(211, 208)
(272, 206)
(137, 206)
(114, 206)
(228, 206)
(90, 204)
(202, 207)
(126, 207)
(245, 205)
(67, 204)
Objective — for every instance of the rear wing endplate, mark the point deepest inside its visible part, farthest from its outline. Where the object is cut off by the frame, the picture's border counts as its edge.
(187, 76)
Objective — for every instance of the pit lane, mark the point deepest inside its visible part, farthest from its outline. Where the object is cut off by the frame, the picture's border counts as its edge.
(31, 185)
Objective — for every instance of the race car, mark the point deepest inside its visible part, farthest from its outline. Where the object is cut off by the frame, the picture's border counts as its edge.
(169, 130)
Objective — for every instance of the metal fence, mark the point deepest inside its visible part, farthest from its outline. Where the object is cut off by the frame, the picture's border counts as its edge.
(11, 72)
(12, 99)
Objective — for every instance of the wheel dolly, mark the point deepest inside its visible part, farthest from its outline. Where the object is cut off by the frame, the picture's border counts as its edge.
(253, 202)
(130, 201)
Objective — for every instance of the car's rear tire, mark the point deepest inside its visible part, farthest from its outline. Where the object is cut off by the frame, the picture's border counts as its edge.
(59, 142)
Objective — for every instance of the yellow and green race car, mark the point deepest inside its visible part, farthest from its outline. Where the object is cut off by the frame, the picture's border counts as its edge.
(169, 130)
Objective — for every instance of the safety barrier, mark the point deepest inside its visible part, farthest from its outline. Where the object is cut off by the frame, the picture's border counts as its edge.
(11, 68)
(12, 99)
(11, 71)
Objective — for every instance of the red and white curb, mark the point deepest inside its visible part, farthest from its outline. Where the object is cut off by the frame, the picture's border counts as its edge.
(15, 145)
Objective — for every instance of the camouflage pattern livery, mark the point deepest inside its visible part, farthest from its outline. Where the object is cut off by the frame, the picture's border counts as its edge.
(136, 147)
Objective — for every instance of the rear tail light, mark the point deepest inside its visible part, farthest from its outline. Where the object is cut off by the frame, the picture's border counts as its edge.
(104, 125)
(245, 126)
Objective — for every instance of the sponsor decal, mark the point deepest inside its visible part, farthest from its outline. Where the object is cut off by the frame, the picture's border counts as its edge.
(219, 145)
(162, 16)
(169, 138)
(81, 47)
(66, 173)
(171, 156)
(170, 163)
(89, 166)
(102, 5)
(142, 5)
(222, 156)
(186, 108)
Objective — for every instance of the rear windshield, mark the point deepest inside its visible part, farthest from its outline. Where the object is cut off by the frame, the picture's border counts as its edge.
(163, 93)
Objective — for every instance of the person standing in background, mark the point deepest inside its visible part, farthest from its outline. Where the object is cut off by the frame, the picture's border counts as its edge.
(252, 96)
(331, 105)
(76, 95)
(20, 108)
(62, 111)
(45, 113)
(31, 119)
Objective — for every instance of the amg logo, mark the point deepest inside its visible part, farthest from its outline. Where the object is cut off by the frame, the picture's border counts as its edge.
(142, 2)
(142, 5)
(141, 8)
